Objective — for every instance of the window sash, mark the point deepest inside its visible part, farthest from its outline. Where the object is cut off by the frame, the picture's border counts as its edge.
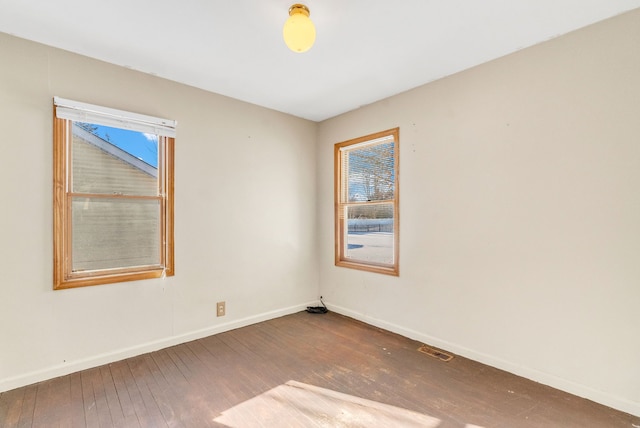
(369, 172)
(89, 168)
(104, 237)
(369, 240)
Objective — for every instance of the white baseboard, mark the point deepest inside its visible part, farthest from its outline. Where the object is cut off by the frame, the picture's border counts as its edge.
(110, 357)
(580, 390)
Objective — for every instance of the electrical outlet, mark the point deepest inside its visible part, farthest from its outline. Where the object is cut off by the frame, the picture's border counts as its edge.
(221, 309)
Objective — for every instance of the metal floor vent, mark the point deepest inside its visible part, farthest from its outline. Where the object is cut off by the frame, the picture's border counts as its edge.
(435, 353)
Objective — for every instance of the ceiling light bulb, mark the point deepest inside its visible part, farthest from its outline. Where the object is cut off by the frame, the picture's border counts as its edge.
(299, 32)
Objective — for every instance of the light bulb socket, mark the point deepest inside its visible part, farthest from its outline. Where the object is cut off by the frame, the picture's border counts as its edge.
(299, 8)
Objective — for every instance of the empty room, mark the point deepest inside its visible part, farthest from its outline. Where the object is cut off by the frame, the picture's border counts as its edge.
(336, 214)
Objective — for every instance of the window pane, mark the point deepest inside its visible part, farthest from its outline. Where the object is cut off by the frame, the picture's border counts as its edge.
(369, 234)
(114, 161)
(370, 173)
(114, 233)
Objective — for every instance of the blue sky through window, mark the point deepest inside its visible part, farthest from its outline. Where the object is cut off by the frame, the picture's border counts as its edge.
(139, 144)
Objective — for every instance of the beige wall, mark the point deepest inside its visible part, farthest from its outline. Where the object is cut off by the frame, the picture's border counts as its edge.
(244, 218)
(519, 214)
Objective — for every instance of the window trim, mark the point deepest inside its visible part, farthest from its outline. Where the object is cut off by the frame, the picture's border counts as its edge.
(63, 277)
(340, 257)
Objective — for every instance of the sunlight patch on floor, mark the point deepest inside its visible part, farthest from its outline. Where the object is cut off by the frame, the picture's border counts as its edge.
(296, 404)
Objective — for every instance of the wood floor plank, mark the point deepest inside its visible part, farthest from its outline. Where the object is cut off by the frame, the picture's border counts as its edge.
(167, 390)
(230, 368)
(132, 402)
(118, 375)
(52, 404)
(91, 416)
(11, 407)
(147, 410)
(111, 396)
(76, 415)
(173, 385)
(28, 406)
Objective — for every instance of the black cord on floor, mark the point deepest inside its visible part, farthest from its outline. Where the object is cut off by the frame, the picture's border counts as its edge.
(318, 309)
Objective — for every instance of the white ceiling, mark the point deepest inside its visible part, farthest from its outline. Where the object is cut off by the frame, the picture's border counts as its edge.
(365, 50)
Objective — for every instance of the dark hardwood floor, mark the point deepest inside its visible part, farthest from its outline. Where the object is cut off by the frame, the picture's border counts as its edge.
(190, 385)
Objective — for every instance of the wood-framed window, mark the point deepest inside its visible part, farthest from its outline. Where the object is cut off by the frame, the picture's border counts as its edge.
(113, 195)
(367, 202)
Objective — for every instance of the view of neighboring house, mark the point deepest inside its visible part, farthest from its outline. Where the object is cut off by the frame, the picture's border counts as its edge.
(109, 231)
